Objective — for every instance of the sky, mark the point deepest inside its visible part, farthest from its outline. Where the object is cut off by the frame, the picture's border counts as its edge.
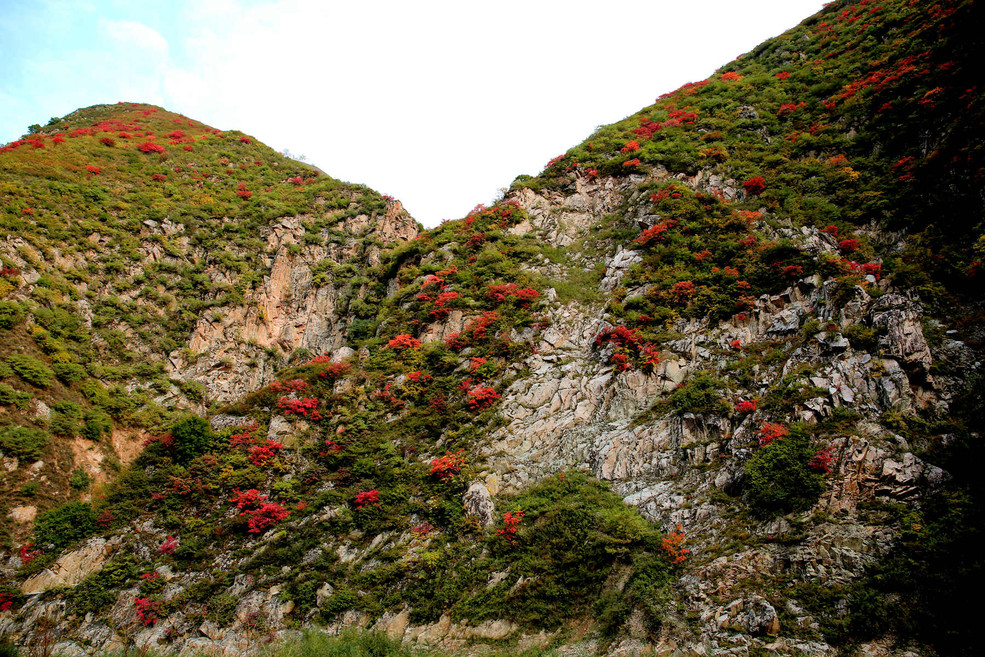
(438, 103)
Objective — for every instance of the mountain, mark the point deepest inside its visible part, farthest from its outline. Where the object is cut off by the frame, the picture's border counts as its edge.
(709, 384)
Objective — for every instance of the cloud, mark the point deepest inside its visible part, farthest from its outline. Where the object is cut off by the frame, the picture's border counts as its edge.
(135, 38)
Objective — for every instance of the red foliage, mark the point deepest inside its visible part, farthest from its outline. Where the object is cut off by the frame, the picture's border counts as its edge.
(367, 497)
(620, 361)
(105, 519)
(147, 610)
(793, 271)
(731, 76)
(94, 170)
(243, 192)
(500, 293)
(831, 230)
(447, 466)
(422, 529)
(482, 398)
(188, 147)
(296, 180)
(404, 341)
(736, 344)
(821, 461)
(307, 407)
(782, 75)
(6, 601)
(261, 454)
(672, 546)
(245, 140)
(294, 385)
(755, 185)
(248, 499)
(150, 147)
(635, 162)
(512, 522)
(169, 545)
(28, 553)
(158, 177)
(619, 335)
(849, 245)
(262, 519)
(745, 406)
(631, 147)
(683, 290)
(107, 141)
(770, 432)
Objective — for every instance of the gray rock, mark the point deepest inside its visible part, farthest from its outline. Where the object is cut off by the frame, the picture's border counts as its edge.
(479, 504)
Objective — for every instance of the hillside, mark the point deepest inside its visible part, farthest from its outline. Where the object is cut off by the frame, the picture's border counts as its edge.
(709, 384)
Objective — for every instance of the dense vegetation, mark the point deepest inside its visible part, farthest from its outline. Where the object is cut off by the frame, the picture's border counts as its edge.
(865, 118)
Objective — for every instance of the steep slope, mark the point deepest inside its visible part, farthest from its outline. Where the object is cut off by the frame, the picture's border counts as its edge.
(151, 263)
(749, 309)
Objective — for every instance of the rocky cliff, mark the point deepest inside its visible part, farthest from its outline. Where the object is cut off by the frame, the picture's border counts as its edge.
(709, 384)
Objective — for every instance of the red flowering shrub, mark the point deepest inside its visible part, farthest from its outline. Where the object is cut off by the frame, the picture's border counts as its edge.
(672, 546)
(262, 519)
(512, 522)
(147, 610)
(447, 466)
(404, 341)
(105, 519)
(296, 180)
(745, 406)
(6, 601)
(831, 230)
(243, 192)
(307, 407)
(630, 147)
(782, 75)
(849, 245)
(245, 140)
(150, 147)
(261, 454)
(422, 529)
(793, 271)
(500, 293)
(821, 461)
(620, 361)
(332, 448)
(755, 185)
(294, 385)
(107, 141)
(591, 173)
(731, 76)
(619, 335)
(655, 233)
(169, 545)
(366, 498)
(736, 344)
(28, 553)
(683, 290)
(94, 170)
(635, 162)
(158, 177)
(482, 398)
(770, 432)
(248, 499)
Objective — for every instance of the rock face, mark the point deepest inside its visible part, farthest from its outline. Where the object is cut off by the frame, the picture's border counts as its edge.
(71, 568)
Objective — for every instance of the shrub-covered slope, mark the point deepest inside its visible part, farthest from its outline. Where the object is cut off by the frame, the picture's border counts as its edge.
(709, 383)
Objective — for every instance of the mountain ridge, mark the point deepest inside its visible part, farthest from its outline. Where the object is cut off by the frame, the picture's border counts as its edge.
(693, 329)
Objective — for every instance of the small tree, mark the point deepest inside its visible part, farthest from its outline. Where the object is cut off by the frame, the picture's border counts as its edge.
(192, 438)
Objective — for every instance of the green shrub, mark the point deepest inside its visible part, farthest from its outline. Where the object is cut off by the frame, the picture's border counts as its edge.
(192, 438)
(700, 394)
(80, 479)
(778, 477)
(10, 396)
(64, 525)
(69, 373)
(11, 312)
(66, 419)
(23, 442)
(31, 370)
(98, 423)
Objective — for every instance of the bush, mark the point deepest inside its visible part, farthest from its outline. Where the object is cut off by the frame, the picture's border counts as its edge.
(80, 479)
(69, 373)
(31, 370)
(66, 419)
(700, 394)
(22, 442)
(64, 525)
(779, 479)
(192, 438)
(97, 424)
(10, 396)
(11, 312)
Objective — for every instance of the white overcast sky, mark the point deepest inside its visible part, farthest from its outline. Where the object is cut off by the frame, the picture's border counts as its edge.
(439, 103)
